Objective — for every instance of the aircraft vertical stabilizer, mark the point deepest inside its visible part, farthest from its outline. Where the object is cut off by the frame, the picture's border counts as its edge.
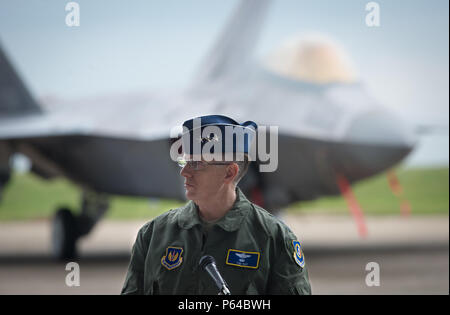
(235, 45)
(14, 96)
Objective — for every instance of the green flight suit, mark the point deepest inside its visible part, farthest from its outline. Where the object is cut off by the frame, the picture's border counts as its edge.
(254, 252)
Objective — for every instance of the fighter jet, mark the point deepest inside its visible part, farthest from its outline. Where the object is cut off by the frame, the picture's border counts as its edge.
(329, 128)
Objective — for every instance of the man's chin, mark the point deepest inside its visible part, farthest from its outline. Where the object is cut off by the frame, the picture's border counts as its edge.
(190, 194)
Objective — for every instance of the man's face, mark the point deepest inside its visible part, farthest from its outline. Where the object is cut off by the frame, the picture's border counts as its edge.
(204, 183)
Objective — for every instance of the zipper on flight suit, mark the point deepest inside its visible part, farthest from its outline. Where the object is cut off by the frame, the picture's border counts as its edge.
(204, 238)
(198, 287)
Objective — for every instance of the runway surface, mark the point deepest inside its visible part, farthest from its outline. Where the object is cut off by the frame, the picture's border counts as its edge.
(412, 253)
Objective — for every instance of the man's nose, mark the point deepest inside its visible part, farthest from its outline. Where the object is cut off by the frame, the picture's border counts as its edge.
(186, 172)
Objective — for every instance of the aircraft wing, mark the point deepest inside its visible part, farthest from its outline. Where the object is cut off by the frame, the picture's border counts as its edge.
(148, 118)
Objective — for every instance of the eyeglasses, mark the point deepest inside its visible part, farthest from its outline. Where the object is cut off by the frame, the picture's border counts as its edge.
(197, 165)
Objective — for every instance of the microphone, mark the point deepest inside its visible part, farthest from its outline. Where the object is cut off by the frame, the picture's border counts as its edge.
(208, 263)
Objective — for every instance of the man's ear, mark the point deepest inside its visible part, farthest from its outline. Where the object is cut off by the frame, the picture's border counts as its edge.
(231, 172)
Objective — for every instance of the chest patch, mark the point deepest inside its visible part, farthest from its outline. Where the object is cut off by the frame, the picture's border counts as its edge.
(173, 258)
(243, 259)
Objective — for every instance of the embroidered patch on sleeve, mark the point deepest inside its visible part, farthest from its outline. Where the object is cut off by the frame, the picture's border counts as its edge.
(243, 259)
(298, 254)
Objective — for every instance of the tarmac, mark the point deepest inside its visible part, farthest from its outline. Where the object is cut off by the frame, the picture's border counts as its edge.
(412, 254)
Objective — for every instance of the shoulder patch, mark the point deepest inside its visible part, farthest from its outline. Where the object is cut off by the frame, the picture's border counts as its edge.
(298, 254)
(243, 259)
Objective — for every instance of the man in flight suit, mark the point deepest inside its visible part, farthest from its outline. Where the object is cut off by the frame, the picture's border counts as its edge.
(254, 251)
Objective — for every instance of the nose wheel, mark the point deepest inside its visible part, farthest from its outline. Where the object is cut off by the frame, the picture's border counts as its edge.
(64, 235)
(67, 228)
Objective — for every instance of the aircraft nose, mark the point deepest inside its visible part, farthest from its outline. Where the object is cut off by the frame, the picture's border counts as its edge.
(380, 128)
(377, 141)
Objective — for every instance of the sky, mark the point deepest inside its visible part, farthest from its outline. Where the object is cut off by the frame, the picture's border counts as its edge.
(144, 45)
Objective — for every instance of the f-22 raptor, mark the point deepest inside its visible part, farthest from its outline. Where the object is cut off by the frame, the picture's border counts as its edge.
(328, 131)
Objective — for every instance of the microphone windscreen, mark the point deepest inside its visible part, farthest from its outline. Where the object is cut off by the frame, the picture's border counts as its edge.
(206, 260)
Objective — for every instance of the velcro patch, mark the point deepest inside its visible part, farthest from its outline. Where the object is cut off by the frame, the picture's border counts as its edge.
(298, 254)
(173, 258)
(243, 259)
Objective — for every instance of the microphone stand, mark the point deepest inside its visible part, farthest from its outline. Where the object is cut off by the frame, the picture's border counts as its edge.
(224, 291)
(208, 264)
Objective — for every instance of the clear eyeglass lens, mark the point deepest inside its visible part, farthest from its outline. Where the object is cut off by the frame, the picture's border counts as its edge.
(194, 165)
(181, 162)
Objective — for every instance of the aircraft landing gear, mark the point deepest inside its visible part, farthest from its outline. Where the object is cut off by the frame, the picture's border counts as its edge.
(68, 228)
(64, 234)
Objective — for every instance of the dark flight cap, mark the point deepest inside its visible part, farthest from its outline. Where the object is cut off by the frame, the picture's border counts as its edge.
(217, 134)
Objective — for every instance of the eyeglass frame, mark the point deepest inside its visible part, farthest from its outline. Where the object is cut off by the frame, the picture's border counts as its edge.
(182, 163)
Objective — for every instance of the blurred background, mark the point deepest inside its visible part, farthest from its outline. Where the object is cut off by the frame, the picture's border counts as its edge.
(119, 51)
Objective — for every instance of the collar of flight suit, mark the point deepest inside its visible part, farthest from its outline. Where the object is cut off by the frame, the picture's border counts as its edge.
(189, 217)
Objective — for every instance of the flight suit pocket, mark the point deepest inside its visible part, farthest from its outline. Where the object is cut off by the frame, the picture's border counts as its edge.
(155, 288)
(294, 290)
(251, 290)
(152, 288)
(299, 288)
